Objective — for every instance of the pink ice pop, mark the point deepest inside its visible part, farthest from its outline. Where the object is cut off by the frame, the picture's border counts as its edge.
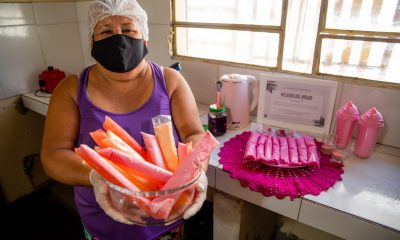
(268, 148)
(284, 153)
(105, 168)
(276, 148)
(251, 145)
(161, 206)
(138, 165)
(293, 155)
(183, 151)
(153, 149)
(312, 152)
(261, 147)
(302, 150)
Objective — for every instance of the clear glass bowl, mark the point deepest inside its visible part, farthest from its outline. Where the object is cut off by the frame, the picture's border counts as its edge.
(143, 208)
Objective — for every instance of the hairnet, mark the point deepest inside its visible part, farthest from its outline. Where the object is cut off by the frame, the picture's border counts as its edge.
(100, 9)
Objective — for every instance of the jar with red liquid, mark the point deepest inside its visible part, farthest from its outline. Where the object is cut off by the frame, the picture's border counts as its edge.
(217, 119)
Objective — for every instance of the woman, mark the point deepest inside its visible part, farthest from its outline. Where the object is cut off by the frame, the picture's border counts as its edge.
(129, 89)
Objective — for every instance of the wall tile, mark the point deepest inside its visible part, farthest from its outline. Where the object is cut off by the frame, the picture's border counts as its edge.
(82, 10)
(158, 45)
(62, 46)
(12, 14)
(158, 12)
(201, 78)
(51, 13)
(21, 60)
(385, 100)
(87, 57)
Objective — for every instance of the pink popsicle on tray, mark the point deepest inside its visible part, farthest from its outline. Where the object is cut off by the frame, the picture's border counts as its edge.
(268, 148)
(284, 151)
(260, 153)
(276, 149)
(302, 150)
(250, 152)
(293, 154)
(312, 151)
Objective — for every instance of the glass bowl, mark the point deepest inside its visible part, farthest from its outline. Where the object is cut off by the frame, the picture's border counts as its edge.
(161, 207)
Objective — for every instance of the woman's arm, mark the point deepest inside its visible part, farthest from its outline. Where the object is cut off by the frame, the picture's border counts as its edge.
(60, 135)
(184, 109)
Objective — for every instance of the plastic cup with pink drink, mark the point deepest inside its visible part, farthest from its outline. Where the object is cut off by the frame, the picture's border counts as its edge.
(346, 118)
(370, 125)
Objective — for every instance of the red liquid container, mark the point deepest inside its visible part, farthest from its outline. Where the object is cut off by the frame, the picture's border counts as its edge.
(217, 119)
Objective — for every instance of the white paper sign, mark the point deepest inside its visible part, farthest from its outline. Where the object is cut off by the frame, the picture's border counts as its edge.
(297, 103)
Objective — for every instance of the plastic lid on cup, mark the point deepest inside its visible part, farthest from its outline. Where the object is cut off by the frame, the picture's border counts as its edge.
(372, 118)
(348, 110)
(217, 108)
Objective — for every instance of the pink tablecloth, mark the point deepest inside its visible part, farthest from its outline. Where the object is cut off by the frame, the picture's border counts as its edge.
(273, 181)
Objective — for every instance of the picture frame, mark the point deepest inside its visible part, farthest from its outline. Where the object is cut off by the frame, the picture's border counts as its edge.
(297, 103)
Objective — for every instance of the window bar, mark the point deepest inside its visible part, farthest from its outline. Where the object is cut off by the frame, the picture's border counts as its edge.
(282, 34)
(172, 34)
(361, 33)
(318, 41)
(240, 27)
(360, 38)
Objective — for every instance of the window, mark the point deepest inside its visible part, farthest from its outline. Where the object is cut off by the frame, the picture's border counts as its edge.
(353, 39)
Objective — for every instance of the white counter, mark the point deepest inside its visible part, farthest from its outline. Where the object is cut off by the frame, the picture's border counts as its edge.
(36, 102)
(364, 205)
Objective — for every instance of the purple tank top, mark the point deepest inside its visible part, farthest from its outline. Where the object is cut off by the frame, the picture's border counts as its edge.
(96, 222)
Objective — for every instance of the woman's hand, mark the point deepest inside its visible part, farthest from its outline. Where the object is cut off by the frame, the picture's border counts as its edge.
(101, 192)
(200, 196)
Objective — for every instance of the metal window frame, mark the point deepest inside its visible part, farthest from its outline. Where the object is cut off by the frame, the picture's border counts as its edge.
(322, 33)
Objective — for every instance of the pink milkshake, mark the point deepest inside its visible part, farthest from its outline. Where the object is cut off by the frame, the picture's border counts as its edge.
(370, 125)
(346, 117)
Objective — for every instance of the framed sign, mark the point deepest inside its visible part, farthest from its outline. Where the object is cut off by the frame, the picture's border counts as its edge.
(296, 102)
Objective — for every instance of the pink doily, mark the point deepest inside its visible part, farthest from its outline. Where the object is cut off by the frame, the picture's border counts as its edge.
(274, 181)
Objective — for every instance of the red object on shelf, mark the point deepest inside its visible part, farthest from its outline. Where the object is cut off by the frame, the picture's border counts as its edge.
(49, 79)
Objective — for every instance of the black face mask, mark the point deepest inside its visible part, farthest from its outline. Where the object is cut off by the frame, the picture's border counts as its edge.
(119, 53)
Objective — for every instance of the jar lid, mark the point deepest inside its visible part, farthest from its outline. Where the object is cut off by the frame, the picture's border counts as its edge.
(217, 108)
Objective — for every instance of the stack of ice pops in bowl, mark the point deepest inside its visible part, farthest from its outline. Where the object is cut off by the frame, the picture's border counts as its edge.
(150, 185)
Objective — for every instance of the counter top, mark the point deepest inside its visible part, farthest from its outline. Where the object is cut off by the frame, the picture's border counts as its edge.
(364, 205)
(37, 102)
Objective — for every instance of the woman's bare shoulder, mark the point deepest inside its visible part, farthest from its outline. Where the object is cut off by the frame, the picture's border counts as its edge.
(174, 80)
(67, 88)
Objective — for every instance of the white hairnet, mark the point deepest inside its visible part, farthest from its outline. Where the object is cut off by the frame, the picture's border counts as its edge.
(100, 9)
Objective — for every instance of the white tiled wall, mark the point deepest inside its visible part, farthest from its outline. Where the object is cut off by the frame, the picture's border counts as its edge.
(385, 100)
(33, 36)
(158, 13)
(81, 11)
(53, 13)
